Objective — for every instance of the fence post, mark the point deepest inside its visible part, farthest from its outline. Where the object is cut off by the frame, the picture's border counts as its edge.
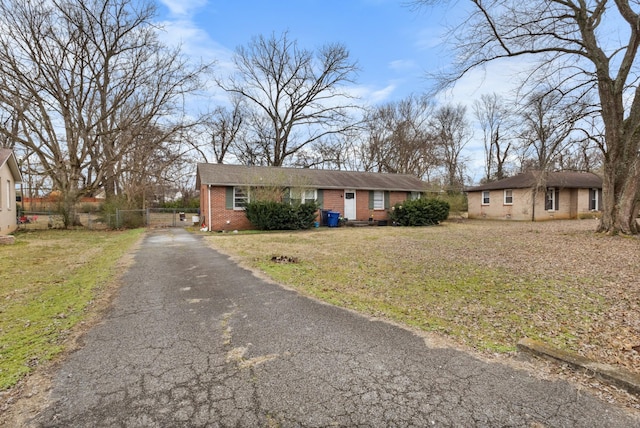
(148, 218)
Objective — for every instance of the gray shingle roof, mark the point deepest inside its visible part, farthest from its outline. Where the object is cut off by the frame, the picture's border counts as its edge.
(241, 175)
(563, 179)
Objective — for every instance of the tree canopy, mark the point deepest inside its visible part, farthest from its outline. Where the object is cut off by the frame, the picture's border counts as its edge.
(87, 88)
(298, 95)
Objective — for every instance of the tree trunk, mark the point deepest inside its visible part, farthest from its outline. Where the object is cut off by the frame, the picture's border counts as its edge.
(67, 207)
(621, 194)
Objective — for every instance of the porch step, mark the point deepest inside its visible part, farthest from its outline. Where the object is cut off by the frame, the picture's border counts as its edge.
(362, 223)
(357, 223)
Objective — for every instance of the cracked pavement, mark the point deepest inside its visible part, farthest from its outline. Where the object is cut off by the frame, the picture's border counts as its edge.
(194, 340)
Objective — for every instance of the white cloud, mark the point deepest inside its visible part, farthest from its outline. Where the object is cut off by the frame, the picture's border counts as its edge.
(402, 65)
(194, 42)
(501, 77)
(179, 30)
(429, 38)
(372, 96)
(183, 7)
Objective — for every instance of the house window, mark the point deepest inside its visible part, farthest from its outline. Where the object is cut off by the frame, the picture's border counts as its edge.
(303, 196)
(415, 195)
(551, 199)
(508, 197)
(378, 200)
(485, 197)
(240, 198)
(9, 194)
(594, 204)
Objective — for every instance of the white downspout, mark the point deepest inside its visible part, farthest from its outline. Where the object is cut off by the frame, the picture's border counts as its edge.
(209, 208)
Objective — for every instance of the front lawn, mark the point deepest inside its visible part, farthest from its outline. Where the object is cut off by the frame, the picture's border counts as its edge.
(486, 284)
(49, 282)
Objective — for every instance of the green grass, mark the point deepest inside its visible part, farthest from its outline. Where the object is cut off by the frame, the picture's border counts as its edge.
(48, 281)
(440, 279)
(486, 308)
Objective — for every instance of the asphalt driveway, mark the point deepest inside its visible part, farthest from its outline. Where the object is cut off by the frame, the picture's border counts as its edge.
(194, 340)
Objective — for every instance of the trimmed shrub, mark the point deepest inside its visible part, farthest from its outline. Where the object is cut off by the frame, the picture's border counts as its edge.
(419, 212)
(271, 215)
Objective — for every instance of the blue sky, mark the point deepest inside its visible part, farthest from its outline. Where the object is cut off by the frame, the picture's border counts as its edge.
(394, 46)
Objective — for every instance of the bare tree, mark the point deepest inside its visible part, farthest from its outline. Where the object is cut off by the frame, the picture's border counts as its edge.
(583, 156)
(572, 42)
(154, 162)
(492, 114)
(222, 129)
(547, 124)
(329, 153)
(296, 92)
(87, 80)
(398, 138)
(451, 131)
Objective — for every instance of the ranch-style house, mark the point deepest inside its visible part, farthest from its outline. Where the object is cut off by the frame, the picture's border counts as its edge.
(533, 196)
(357, 196)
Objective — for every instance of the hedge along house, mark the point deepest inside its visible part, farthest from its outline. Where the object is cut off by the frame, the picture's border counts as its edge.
(9, 177)
(357, 196)
(532, 196)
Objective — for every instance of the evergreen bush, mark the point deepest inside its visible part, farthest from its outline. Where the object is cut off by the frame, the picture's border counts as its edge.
(271, 215)
(419, 212)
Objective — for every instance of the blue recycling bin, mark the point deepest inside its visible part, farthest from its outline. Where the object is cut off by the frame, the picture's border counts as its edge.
(332, 218)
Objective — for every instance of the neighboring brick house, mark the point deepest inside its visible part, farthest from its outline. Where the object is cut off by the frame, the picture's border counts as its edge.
(9, 176)
(358, 196)
(559, 195)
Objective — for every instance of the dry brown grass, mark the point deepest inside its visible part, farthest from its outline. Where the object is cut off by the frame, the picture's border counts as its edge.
(486, 284)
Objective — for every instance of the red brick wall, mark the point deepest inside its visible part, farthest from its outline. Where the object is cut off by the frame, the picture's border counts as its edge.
(362, 207)
(395, 197)
(216, 216)
(333, 200)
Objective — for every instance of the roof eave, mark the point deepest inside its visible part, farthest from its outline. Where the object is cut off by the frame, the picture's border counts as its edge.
(12, 162)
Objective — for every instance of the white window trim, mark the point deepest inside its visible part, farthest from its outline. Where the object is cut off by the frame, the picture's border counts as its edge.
(505, 197)
(597, 199)
(247, 195)
(303, 195)
(554, 203)
(378, 192)
(482, 197)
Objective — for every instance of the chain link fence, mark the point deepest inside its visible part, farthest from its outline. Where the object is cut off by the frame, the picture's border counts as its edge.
(150, 217)
(157, 217)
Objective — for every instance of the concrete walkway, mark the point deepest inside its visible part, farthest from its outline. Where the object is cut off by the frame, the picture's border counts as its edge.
(193, 340)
